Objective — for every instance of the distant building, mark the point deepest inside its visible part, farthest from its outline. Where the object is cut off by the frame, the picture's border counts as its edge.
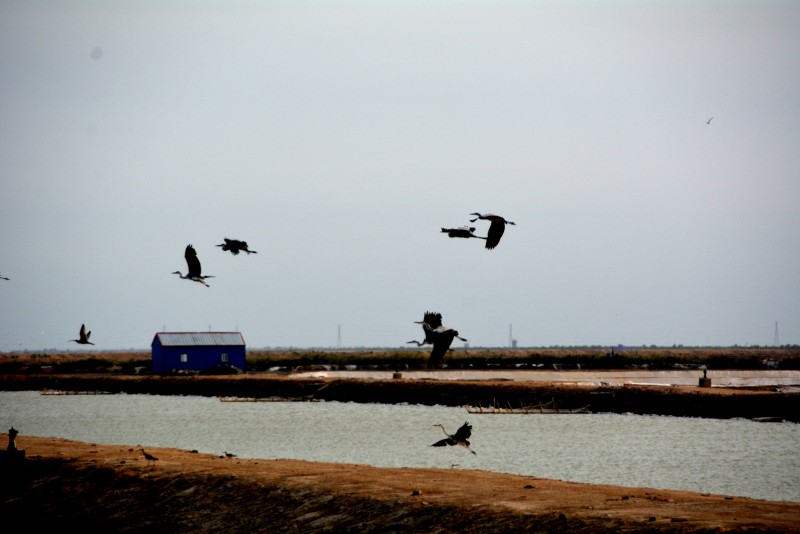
(197, 351)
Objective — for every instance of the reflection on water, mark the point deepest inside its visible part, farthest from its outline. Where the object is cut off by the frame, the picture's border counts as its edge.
(729, 457)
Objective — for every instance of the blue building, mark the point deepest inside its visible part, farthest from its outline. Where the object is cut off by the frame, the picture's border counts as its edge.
(197, 351)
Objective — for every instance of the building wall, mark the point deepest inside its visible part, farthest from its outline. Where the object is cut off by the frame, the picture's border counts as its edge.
(197, 358)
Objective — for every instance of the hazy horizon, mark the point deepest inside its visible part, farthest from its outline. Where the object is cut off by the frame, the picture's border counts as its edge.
(647, 153)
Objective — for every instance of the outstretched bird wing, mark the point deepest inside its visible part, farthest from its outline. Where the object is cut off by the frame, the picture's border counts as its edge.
(192, 262)
(496, 230)
(443, 442)
(463, 433)
(82, 335)
(433, 319)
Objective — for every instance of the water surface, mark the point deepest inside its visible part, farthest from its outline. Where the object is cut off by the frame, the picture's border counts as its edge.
(729, 457)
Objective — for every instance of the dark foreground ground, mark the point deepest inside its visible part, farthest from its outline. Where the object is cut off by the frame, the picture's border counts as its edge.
(69, 486)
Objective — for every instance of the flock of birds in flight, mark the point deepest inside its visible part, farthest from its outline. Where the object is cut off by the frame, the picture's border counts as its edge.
(195, 271)
(437, 335)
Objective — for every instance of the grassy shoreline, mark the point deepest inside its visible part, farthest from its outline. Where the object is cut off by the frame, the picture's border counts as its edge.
(259, 360)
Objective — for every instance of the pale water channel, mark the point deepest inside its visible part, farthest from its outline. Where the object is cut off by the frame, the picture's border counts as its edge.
(729, 457)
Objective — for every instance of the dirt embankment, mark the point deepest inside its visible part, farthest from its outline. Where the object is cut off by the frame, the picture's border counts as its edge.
(76, 486)
(659, 400)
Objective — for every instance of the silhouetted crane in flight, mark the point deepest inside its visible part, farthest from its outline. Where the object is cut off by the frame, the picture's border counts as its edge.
(462, 231)
(496, 229)
(461, 437)
(83, 336)
(4, 277)
(193, 264)
(149, 457)
(430, 322)
(441, 337)
(235, 246)
(709, 120)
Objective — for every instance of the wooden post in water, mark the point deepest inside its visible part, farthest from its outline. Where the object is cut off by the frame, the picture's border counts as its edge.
(12, 460)
(705, 382)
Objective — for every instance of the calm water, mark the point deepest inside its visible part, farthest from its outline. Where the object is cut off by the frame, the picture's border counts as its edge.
(729, 457)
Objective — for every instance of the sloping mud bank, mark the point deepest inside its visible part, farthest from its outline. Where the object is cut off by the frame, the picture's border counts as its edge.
(76, 486)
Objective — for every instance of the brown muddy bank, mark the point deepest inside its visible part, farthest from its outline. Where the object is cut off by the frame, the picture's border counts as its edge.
(83, 487)
(684, 401)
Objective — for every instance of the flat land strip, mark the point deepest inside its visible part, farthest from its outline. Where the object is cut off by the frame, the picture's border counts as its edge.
(680, 401)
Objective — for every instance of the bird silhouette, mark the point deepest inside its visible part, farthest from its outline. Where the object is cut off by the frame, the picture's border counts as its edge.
(4, 277)
(149, 457)
(461, 437)
(709, 120)
(430, 321)
(229, 454)
(193, 264)
(441, 344)
(441, 337)
(462, 231)
(83, 336)
(496, 229)
(235, 246)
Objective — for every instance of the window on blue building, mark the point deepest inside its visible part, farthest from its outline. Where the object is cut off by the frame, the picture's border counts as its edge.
(184, 358)
(224, 357)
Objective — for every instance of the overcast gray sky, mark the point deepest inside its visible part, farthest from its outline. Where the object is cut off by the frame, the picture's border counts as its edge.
(337, 138)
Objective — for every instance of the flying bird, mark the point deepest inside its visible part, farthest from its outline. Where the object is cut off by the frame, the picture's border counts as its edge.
(4, 277)
(496, 229)
(83, 336)
(235, 246)
(441, 337)
(709, 120)
(149, 457)
(193, 264)
(430, 322)
(461, 437)
(463, 231)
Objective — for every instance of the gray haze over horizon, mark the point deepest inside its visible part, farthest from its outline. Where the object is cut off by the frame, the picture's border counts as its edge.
(338, 138)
